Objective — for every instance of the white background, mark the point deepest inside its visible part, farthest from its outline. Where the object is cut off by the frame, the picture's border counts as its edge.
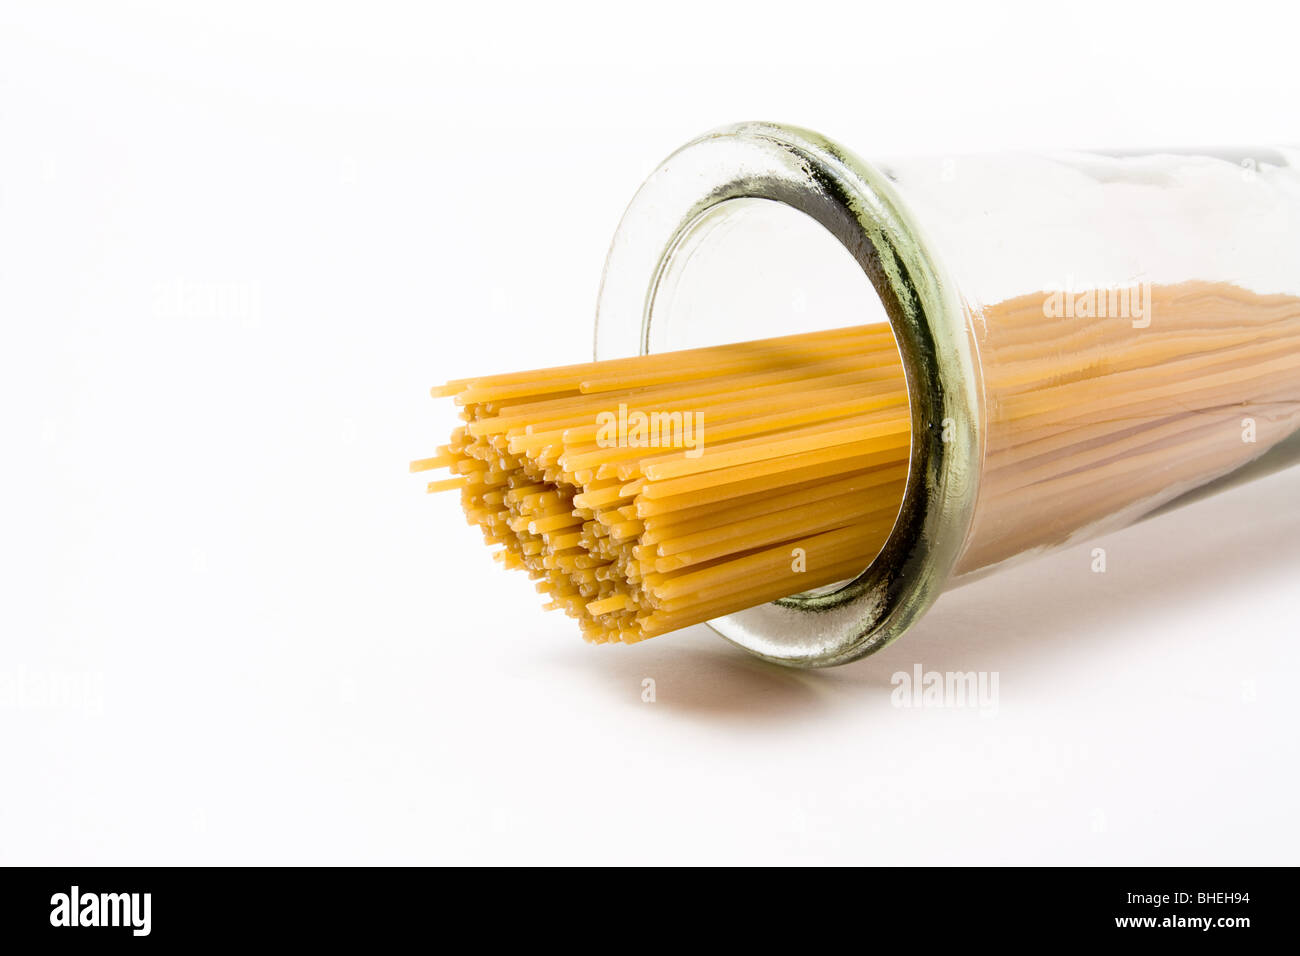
(268, 645)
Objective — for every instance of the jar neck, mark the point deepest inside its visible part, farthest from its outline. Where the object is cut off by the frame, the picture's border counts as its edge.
(856, 205)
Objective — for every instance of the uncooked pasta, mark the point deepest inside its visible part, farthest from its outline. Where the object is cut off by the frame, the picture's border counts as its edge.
(650, 493)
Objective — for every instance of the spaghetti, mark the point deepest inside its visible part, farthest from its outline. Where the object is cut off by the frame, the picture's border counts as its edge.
(650, 493)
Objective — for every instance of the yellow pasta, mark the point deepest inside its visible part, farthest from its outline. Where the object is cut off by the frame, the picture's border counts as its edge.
(779, 469)
(646, 494)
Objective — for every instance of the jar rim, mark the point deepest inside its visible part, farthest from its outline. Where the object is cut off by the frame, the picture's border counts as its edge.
(857, 203)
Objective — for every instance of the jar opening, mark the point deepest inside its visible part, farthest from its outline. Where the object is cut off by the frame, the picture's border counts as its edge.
(682, 245)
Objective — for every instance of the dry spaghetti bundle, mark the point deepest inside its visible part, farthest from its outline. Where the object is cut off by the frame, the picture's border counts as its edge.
(1092, 420)
(650, 493)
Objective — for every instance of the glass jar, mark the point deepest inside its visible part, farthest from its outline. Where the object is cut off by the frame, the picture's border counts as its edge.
(1086, 336)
